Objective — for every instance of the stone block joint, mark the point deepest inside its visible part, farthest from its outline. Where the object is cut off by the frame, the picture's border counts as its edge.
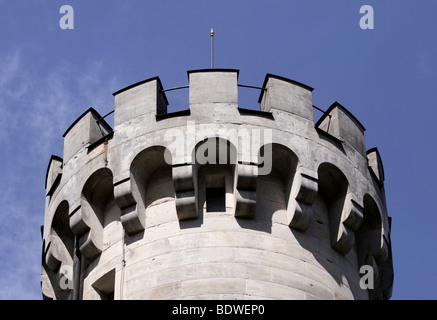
(216, 201)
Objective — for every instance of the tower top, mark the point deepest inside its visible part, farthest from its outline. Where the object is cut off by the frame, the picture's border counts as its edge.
(216, 201)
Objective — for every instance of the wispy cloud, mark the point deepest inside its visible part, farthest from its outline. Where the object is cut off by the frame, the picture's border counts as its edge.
(19, 247)
(9, 67)
(35, 110)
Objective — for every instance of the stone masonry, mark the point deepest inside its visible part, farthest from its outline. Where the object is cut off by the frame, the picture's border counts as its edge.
(216, 201)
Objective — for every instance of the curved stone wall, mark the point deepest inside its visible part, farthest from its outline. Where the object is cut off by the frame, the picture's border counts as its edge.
(216, 202)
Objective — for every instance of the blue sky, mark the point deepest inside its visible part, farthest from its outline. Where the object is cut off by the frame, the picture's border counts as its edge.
(386, 77)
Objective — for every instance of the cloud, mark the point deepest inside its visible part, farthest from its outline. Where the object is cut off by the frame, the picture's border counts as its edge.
(9, 67)
(47, 103)
(12, 85)
(36, 108)
(19, 247)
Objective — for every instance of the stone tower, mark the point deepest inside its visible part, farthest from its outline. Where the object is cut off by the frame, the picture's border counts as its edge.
(216, 201)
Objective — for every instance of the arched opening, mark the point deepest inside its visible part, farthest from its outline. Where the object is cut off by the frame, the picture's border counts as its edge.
(369, 234)
(152, 183)
(333, 187)
(98, 192)
(369, 244)
(99, 212)
(58, 255)
(274, 189)
(214, 169)
(61, 227)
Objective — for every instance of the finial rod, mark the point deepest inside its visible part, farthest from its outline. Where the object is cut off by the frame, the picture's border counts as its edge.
(212, 47)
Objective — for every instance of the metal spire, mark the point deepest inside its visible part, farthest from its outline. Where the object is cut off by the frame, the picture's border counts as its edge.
(212, 47)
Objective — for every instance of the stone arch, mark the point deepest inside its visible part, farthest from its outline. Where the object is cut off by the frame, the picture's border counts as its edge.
(284, 162)
(58, 255)
(61, 226)
(98, 191)
(214, 165)
(371, 249)
(333, 188)
(152, 184)
(369, 234)
(214, 150)
(98, 210)
(275, 190)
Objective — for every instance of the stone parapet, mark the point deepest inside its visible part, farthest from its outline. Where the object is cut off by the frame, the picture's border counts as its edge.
(216, 201)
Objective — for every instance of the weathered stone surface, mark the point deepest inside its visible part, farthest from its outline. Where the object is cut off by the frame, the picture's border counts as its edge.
(155, 210)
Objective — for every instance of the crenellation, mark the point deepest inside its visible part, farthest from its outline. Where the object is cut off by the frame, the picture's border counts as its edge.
(180, 205)
(341, 124)
(53, 174)
(287, 95)
(83, 132)
(141, 98)
(375, 165)
(213, 86)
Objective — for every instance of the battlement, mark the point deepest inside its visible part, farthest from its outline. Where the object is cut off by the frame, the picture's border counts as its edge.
(213, 86)
(87, 129)
(341, 124)
(287, 95)
(138, 99)
(215, 91)
(219, 185)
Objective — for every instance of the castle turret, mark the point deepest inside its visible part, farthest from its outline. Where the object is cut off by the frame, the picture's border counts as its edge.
(216, 201)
